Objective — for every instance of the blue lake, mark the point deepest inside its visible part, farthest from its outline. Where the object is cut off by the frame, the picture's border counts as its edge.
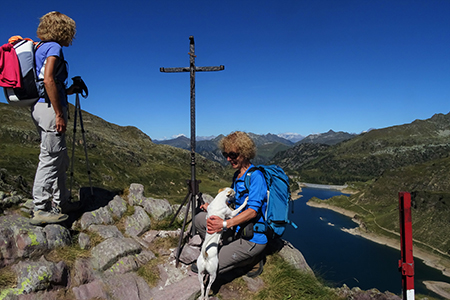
(339, 257)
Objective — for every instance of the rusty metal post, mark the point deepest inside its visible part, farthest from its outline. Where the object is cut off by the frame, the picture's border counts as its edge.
(406, 263)
(193, 184)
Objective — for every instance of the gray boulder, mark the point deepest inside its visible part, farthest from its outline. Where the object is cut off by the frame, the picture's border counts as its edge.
(118, 207)
(57, 236)
(106, 231)
(19, 239)
(144, 257)
(294, 257)
(157, 208)
(138, 223)
(176, 283)
(97, 217)
(123, 265)
(84, 241)
(10, 201)
(136, 195)
(108, 252)
(207, 198)
(191, 250)
(91, 290)
(30, 242)
(83, 272)
(129, 286)
(357, 294)
(39, 275)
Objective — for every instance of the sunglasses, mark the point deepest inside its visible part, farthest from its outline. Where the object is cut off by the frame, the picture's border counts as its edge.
(232, 155)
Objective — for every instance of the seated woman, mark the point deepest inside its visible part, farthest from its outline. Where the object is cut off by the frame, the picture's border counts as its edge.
(241, 245)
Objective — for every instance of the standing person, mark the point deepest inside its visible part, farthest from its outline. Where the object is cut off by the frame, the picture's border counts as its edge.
(55, 31)
(242, 246)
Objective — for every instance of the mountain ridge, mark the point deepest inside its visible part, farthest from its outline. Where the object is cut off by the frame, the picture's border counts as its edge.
(118, 156)
(267, 144)
(367, 155)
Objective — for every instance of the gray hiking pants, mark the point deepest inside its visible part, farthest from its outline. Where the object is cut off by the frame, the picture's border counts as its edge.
(50, 178)
(235, 252)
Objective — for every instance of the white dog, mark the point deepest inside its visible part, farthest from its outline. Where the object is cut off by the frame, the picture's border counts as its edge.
(208, 261)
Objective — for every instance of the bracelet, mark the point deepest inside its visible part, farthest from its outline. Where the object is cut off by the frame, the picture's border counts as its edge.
(224, 225)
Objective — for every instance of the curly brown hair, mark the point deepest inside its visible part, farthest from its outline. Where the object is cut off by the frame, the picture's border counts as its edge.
(239, 141)
(56, 27)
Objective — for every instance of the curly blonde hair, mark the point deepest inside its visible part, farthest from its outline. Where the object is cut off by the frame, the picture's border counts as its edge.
(240, 142)
(56, 27)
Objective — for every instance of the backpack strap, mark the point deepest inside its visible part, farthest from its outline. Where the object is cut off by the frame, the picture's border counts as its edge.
(247, 179)
(60, 70)
(257, 226)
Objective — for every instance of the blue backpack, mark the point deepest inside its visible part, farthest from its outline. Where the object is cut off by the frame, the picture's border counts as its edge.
(278, 199)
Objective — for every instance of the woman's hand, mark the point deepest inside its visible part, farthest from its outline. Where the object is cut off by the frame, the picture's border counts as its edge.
(60, 124)
(214, 224)
(204, 206)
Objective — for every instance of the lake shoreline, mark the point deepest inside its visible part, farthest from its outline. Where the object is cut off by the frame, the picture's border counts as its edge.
(429, 259)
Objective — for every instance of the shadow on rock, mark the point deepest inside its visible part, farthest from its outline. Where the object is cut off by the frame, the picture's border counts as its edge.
(90, 199)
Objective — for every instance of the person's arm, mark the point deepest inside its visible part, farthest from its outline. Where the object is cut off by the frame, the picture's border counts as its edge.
(52, 93)
(257, 193)
(215, 224)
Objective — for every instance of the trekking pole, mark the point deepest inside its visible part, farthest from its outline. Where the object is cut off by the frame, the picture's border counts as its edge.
(73, 149)
(81, 87)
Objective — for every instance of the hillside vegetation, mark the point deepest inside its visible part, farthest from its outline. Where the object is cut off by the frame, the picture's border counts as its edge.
(118, 156)
(368, 155)
(380, 164)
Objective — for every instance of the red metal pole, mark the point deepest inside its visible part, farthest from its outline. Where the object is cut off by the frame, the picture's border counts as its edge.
(406, 264)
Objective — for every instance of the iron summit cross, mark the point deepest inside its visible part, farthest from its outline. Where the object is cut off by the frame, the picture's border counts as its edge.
(192, 69)
(193, 183)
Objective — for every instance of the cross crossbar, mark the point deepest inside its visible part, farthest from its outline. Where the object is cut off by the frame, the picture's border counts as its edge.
(188, 69)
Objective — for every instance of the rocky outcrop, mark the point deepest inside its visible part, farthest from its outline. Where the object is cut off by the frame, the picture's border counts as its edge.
(119, 253)
(20, 240)
(358, 294)
(113, 262)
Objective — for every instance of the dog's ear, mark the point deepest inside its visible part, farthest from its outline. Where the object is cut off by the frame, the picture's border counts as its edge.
(230, 193)
(221, 190)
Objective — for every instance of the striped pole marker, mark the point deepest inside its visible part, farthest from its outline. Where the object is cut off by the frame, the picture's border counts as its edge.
(406, 263)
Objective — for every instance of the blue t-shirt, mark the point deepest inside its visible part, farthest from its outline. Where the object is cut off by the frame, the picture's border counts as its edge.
(44, 51)
(257, 199)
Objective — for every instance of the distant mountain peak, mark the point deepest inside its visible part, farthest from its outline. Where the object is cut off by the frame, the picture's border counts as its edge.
(291, 136)
(329, 138)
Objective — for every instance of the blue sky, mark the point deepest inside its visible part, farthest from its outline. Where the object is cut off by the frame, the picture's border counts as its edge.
(290, 66)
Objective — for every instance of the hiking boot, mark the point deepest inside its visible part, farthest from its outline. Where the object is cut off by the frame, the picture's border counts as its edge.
(52, 216)
(256, 271)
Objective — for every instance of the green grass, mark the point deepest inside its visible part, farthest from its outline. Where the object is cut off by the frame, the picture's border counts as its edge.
(282, 281)
(7, 278)
(150, 272)
(68, 254)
